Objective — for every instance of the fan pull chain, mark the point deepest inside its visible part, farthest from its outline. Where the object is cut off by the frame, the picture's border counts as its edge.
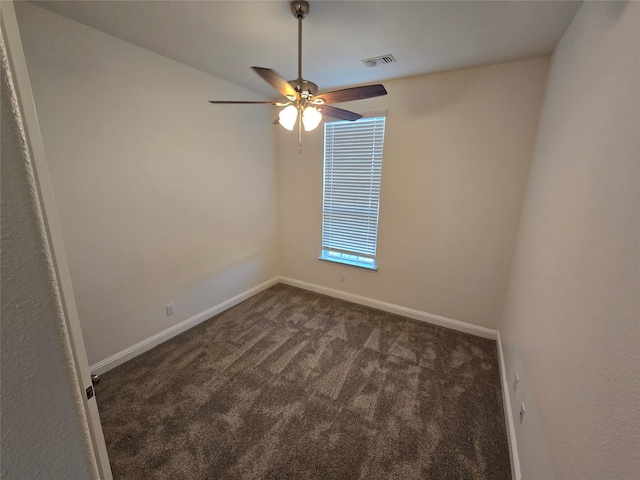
(299, 133)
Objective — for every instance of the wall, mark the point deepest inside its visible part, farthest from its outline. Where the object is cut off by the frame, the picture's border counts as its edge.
(162, 197)
(44, 430)
(456, 158)
(570, 324)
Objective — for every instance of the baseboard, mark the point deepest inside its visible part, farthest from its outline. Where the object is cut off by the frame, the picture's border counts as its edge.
(147, 344)
(508, 413)
(397, 309)
(141, 347)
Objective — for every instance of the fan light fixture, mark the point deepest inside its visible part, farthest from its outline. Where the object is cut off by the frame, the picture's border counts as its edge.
(310, 117)
(288, 117)
(303, 104)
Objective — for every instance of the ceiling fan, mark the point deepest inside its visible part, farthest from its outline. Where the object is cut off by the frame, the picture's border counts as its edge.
(302, 102)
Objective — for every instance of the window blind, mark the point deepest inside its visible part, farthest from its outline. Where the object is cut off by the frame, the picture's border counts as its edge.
(351, 197)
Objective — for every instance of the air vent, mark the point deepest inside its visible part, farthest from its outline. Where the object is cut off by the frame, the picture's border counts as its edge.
(381, 60)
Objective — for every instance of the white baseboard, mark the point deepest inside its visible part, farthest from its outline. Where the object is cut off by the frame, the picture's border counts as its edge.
(147, 344)
(508, 413)
(397, 309)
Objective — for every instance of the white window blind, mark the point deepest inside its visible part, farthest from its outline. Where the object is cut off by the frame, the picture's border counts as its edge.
(351, 199)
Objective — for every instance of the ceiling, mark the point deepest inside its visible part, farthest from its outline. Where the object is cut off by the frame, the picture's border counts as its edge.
(225, 38)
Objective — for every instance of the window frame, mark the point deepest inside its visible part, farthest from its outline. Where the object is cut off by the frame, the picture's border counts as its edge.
(356, 257)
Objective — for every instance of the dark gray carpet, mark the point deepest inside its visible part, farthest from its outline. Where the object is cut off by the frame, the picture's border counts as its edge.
(294, 385)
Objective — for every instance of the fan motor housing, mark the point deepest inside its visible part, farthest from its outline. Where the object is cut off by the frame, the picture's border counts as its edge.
(304, 87)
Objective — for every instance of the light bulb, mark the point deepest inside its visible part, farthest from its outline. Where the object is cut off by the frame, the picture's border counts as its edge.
(311, 118)
(288, 117)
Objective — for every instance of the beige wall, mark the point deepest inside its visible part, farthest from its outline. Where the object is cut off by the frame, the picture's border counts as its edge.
(162, 197)
(44, 429)
(456, 157)
(571, 324)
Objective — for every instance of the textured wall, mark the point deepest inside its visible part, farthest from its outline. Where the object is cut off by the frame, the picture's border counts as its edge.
(162, 197)
(44, 431)
(570, 326)
(456, 158)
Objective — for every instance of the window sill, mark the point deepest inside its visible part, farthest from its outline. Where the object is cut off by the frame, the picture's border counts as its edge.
(373, 268)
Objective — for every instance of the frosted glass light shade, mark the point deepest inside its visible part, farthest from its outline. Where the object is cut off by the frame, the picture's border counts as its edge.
(311, 118)
(288, 117)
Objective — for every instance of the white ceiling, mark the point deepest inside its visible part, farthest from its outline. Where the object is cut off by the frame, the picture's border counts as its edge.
(225, 38)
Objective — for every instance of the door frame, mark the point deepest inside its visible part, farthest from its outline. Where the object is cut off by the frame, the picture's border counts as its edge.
(54, 234)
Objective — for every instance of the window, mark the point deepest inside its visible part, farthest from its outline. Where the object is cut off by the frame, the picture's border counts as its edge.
(351, 198)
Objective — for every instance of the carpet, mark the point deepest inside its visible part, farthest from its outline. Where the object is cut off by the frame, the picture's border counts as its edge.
(290, 384)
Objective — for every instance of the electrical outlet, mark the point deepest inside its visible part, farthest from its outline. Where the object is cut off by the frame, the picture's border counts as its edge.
(516, 380)
(343, 277)
(521, 412)
(170, 309)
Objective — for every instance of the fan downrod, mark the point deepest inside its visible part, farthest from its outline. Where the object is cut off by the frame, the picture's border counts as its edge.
(299, 8)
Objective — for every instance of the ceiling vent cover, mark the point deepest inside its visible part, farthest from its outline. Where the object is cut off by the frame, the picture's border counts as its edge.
(381, 60)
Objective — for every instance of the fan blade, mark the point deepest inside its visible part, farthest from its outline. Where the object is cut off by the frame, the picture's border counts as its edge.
(276, 81)
(242, 102)
(338, 113)
(354, 93)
